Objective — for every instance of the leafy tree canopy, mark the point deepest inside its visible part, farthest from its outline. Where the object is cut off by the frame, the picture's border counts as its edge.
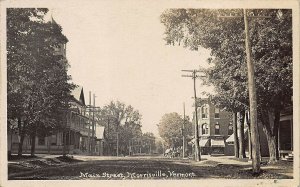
(271, 41)
(170, 129)
(38, 84)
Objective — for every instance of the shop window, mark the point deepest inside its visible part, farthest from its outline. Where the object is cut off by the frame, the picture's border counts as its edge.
(217, 129)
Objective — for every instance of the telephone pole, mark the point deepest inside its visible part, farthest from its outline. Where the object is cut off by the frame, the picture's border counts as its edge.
(89, 131)
(197, 146)
(93, 125)
(256, 156)
(117, 140)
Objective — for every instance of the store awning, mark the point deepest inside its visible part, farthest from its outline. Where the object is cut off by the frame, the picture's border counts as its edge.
(203, 142)
(217, 143)
(231, 137)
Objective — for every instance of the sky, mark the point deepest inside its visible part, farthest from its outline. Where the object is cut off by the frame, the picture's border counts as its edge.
(117, 51)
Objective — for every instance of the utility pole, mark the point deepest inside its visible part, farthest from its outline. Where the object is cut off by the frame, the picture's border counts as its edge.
(256, 156)
(91, 135)
(93, 125)
(89, 131)
(108, 137)
(197, 146)
(253, 102)
(117, 140)
(183, 132)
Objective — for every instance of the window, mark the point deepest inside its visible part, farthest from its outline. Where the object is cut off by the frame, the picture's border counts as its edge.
(204, 112)
(217, 129)
(205, 129)
(217, 113)
(230, 129)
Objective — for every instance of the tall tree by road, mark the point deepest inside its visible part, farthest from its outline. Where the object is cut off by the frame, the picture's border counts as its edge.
(121, 119)
(38, 87)
(170, 127)
(271, 46)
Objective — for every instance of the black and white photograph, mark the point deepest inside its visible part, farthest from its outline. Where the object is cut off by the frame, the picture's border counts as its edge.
(150, 92)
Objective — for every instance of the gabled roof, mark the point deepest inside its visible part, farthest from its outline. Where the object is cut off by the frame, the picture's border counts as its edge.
(78, 94)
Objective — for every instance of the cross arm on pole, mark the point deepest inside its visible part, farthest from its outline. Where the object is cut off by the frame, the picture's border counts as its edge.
(186, 76)
(188, 70)
(202, 76)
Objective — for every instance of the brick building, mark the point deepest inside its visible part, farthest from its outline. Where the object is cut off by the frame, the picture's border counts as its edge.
(214, 127)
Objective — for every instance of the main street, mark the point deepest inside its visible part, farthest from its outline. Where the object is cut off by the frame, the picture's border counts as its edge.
(142, 167)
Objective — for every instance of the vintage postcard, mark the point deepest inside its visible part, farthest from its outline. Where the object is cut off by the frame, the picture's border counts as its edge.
(132, 93)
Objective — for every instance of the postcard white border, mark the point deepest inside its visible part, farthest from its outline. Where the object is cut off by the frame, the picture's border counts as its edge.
(292, 4)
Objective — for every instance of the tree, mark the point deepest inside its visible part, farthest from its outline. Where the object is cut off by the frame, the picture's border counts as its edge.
(241, 118)
(120, 119)
(170, 127)
(271, 48)
(148, 140)
(235, 136)
(38, 87)
(160, 146)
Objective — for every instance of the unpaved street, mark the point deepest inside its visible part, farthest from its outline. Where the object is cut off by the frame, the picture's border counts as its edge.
(113, 168)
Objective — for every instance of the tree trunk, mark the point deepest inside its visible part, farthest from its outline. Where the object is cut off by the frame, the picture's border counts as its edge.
(270, 120)
(65, 143)
(236, 143)
(32, 151)
(249, 135)
(241, 118)
(275, 131)
(22, 135)
(272, 147)
(32, 137)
